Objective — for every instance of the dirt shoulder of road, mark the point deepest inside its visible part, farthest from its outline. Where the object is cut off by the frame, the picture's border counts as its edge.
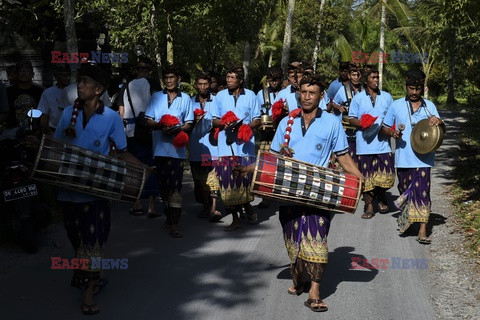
(454, 275)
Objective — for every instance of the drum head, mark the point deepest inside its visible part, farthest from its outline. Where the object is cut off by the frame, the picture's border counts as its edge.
(426, 138)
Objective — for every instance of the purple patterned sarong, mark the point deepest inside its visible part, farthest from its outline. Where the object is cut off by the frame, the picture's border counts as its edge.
(414, 200)
(378, 170)
(305, 232)
(234, 191)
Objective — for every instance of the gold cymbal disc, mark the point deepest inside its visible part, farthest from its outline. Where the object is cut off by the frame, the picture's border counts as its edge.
(426, 138)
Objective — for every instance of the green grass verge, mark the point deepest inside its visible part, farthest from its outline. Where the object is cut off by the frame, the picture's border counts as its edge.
(467, 173)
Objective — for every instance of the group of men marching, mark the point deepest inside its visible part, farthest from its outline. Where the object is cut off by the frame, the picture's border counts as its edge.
(350, 124)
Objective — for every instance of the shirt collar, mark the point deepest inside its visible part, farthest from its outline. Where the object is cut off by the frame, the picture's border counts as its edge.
(423, 103)
(317, 115)
(209, 99)
(368, 94)
(99, 110)
(242, 91)
(179, 93)
(292, 89)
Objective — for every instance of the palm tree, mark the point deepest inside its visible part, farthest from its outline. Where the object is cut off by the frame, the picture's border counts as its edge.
(287, 38)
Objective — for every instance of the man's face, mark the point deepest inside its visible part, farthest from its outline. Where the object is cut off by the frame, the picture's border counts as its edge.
(372, 81)
(213, 83)
(294, 78)
(233, 82)
(354, 77)
(414, 93)
(310, 96)
(63, 79)
(143, 70)
(24, 75)
(203, 86)
(275, 83)
(88, 88)
(343, 75)
(171, 81)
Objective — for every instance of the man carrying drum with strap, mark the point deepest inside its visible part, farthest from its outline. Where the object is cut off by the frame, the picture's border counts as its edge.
(90, 125)
(413, 168)
(309, 134)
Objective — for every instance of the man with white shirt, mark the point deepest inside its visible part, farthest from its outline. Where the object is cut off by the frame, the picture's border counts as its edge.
(51, 102)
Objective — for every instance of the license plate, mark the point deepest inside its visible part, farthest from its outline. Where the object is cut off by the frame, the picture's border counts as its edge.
(20, 192)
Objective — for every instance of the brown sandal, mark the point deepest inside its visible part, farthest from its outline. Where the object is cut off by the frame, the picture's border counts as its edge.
(368, 215)
(320, 308)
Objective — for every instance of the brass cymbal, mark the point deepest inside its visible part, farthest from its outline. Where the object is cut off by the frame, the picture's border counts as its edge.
(426, 138)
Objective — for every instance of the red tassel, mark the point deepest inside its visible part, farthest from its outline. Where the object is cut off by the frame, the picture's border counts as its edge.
(199, 112)
(393, 127)
(169, 120)
(180, 140)
(244, 133)
(367, 120)
(215, 133)
(278, 109)
(229, 117)
(295, 113)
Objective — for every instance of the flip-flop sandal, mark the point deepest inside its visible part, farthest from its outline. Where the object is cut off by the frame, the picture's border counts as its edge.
(215, 216)
(425, 240)
(309, 303)
(176, 234)
(89, 309)
(137, 212)
(367, 215)
(383, 208)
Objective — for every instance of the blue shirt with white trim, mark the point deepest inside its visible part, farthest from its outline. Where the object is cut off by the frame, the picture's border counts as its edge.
(361, 104)
(314, 145)
(104, 125)
(398, 113)
(199, 145)
(180, 107)
(247, 108)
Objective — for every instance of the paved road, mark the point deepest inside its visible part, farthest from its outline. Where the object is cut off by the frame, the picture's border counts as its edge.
(211, 274)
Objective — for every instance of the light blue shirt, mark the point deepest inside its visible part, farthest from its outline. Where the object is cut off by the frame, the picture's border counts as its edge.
(361, 104)
(398, 112)
(341, 97)
(245, 107)
(261, 100)
(324, 135)
(105, 125)
(199, 146)
(333, 88)
(181, 107)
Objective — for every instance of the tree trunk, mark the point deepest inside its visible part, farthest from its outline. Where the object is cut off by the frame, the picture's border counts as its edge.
(169, 39)
(451, 73)
(156, 40)
(317, 40)
(382, 46)
(70, 32)
(246, 62)
(287, 38)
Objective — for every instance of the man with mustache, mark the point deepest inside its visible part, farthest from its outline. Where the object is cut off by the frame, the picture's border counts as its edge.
(413, 169)
(374, 154)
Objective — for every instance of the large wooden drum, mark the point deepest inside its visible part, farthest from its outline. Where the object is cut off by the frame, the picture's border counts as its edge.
(67, 166)
(290, 180)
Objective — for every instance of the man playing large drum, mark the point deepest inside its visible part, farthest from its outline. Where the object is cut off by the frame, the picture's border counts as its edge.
(90, 125)
(413, 168)
(311, 135)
